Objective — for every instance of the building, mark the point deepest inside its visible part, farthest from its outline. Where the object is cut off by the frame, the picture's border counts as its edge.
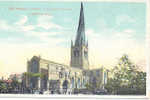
(98, 78)
(54, 76)
(79, 50)
(61, 78)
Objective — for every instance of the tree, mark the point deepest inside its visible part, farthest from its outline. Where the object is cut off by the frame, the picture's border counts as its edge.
(15, 85)
(3, 87)
(126, 78)
(89, 86)
(30, 74)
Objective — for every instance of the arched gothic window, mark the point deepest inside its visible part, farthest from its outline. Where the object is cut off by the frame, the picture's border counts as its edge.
(76, 53)
(72, 82)
(85, 54)
(78, 83)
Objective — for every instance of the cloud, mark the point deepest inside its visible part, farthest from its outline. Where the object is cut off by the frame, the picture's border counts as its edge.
(22, 21)
(4, 25)
(106, 51)
(21, 27)
(129, 30)
(14, 56)
(125, 34)
(122, 19)
(16, 26)
(16, 60)
(27, 28)
(46, 23)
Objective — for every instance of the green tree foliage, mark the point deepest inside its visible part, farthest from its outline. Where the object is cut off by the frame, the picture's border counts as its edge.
(3, 87)
(30, 74)
(126, 78)
(89, 86)
(15, 84)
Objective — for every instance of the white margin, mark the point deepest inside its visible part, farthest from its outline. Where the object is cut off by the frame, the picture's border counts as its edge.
(138, 97)
(147, 44)
(148, 48)
(138, 1)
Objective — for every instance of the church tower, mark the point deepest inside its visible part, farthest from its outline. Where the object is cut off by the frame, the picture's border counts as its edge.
(79, 49)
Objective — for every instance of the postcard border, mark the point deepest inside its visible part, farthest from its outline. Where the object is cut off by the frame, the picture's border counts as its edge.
(147, 2)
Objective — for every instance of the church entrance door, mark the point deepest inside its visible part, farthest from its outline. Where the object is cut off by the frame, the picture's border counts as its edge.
(65, 86)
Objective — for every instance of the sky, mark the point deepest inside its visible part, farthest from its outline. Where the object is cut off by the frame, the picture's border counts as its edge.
(46, 29)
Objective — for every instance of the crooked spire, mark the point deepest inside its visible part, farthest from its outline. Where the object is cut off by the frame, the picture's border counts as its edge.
(80, 38)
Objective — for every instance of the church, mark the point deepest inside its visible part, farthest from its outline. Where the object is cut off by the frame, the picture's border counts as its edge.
(61, 78)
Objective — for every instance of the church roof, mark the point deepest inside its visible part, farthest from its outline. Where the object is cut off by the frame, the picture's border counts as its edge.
(80, 38)
(52, 62)
(38, 58)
